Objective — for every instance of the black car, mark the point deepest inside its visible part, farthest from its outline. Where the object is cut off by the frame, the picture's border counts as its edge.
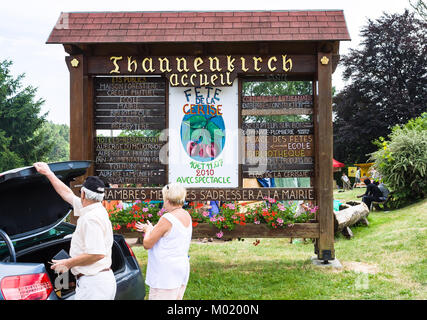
(33, 231)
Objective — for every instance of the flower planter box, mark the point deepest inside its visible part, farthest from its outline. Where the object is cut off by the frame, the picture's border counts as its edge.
(204, 230)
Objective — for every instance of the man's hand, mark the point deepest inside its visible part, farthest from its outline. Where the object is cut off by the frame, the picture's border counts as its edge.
(63, 190)
(60, 266)
(43, 168)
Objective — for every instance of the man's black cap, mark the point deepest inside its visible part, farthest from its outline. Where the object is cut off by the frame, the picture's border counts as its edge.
(94, 184)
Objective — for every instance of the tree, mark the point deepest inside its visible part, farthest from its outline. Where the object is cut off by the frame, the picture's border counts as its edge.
(59, 138)
(388, 84)
(20, 140)
(8, 159)
(421, 8)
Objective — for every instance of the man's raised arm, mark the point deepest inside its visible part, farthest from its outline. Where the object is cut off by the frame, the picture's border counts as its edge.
(61, 188)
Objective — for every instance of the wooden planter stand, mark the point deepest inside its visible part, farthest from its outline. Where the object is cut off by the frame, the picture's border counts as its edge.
(204, 230)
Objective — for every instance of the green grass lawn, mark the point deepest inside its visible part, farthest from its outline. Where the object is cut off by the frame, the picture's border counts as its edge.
(387, 260)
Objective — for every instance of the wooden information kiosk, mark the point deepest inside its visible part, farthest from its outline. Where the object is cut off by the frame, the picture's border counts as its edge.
(183, 74)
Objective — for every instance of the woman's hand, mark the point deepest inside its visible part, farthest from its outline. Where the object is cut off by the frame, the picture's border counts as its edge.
(144, 227)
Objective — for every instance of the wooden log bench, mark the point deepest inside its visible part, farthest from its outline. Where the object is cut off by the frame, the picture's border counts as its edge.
(350, 214)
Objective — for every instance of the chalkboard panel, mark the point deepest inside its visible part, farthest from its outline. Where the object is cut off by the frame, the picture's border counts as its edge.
(130, 103)
(277, 102)
(277, 125)
(277, 128)
(279, 146)
(278, 174)
(219, 194)
(278, 132)
(129, 112)
(135, 180)
(277, 112)
(134, 103)
(130, 126)
(276, 164)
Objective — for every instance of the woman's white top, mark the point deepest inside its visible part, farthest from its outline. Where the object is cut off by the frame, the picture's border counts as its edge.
(168, 264)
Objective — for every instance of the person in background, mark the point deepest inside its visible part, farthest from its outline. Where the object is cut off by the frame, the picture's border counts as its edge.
(168, 243)
(356, 177)
(384, 191)
(346, 182)
(91, 242)
(373, 193)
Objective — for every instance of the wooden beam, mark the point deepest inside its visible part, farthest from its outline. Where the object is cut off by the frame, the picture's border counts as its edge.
(323, 158)
(204, 230)
(220, 194)
(79, 140)
(298, 230)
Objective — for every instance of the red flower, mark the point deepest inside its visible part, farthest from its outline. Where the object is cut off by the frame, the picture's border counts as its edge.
(147, 201)
(195, 223)
(199, 206)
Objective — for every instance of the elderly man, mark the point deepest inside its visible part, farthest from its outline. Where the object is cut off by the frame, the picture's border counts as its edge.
(92, 241)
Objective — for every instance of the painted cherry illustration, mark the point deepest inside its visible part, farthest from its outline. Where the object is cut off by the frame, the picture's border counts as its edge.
(202, 136)
(211, 150)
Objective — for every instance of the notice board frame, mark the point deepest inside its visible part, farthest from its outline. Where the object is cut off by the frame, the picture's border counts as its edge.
(82, 131)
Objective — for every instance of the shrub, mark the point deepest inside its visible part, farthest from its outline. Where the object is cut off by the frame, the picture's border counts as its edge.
(402, 161)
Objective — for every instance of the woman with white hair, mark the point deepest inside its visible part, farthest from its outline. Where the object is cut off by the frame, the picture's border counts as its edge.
(168, 242)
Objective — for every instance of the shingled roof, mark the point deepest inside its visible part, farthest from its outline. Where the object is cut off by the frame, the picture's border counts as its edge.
(206, 26)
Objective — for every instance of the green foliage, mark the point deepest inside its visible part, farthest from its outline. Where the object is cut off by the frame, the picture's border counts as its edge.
(402, 161)
(387, 84)
(276, 88)
(58, 137)
(8, 159)
(22, 142)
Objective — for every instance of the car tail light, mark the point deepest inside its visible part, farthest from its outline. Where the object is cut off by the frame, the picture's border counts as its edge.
(26, 287)
(130, 250)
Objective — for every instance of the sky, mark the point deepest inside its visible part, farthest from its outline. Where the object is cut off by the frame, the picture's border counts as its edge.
(26, 25)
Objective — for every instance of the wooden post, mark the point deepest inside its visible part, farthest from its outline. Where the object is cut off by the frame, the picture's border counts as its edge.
(324, 151)
(81, 115)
